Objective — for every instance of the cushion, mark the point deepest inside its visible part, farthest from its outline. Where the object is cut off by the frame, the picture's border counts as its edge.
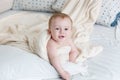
(17, 64)
(5, 5)
(108, 12)
(36, 5)
(115, 22)
(59, 4)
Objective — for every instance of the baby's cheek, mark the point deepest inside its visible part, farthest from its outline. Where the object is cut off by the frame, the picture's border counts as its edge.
(69, 34)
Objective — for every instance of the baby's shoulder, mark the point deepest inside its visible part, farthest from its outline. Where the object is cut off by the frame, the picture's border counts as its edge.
(51, 43)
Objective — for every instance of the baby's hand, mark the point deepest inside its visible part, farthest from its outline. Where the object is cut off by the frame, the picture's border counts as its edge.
(65, 75)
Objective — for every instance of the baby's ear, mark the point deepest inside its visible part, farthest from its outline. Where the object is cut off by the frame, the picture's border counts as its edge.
(48, 31)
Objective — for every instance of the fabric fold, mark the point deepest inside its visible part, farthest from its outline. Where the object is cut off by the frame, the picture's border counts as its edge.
(28, 30)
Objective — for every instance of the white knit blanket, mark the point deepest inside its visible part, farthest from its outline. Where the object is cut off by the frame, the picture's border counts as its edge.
(28, 30)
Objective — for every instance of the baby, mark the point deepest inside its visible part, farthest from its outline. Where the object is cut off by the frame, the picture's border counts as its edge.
(60, 29)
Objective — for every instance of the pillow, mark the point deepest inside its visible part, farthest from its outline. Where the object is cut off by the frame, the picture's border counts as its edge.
(108, 12)
(5, 5)
(59, 5)
(115, 22)
(17, 5)
(36, 5)
(17, 64)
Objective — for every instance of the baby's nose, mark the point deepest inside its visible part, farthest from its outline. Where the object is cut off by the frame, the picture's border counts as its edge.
(61, 31)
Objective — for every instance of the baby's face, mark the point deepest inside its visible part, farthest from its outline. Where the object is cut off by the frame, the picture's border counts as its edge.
(60, 29)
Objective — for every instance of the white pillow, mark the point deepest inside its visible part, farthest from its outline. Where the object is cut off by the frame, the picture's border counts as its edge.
(108, 12)
(36, 5)
(5, 5)
(16, 64)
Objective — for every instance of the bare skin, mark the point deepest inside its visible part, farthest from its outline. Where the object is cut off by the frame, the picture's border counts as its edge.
(60, 31)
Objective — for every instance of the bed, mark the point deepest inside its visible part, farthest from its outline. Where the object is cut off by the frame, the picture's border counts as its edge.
(19, 32)
(108, 60)
(105, 66)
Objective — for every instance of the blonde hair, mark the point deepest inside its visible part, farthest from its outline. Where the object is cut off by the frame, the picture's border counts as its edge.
(61, 15)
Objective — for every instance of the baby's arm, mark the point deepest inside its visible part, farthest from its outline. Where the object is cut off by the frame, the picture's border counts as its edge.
(55, 61)
(74, 53)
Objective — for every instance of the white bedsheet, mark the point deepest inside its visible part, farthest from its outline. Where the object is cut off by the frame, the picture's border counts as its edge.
(107, 62)
(18, 65)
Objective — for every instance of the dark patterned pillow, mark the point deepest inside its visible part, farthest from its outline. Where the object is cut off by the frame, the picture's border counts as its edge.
(108, 12)
(36, 5)
(59, 5)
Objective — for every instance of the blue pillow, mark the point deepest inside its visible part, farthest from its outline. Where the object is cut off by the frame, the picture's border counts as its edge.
(115, 22)
(108, 12)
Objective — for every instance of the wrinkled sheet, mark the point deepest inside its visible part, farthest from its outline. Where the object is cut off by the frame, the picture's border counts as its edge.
(104, 66)
(108, 60)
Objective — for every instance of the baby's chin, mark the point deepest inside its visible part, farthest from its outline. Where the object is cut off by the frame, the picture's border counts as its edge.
(62, 40)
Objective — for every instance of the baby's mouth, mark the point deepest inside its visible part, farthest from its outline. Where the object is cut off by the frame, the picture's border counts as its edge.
(61, 37)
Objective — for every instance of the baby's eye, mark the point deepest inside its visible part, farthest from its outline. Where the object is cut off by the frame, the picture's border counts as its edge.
(56, 28)
(66, 29)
